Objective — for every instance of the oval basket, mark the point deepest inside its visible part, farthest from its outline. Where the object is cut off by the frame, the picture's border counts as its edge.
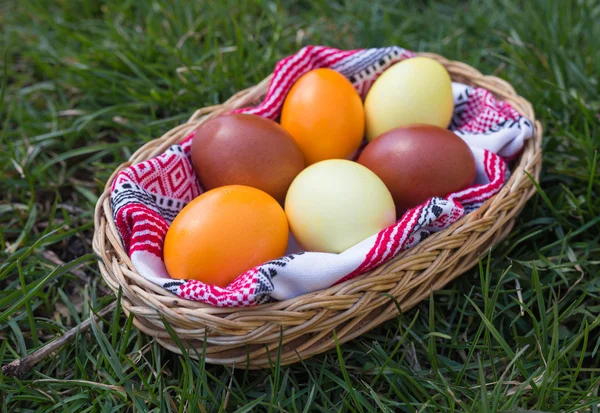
(303, 326)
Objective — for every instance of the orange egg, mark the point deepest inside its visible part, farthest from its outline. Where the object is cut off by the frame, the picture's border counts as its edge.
(325, 115)
(223, 233)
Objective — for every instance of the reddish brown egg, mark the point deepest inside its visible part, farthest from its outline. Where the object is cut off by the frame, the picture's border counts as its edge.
(418, 162)
(239, 149)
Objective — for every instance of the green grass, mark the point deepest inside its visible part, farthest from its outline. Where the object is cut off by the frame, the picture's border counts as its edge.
(84, 84)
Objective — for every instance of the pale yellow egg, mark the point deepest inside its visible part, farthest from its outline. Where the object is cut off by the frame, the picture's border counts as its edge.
(416, 90)
(335, 204)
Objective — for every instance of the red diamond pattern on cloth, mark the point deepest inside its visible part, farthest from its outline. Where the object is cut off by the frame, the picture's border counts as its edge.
(240, 293)
(483, 111)
(170, 174)
(147, 196)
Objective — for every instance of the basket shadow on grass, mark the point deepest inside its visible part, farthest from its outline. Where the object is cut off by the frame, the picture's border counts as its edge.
(396, 354)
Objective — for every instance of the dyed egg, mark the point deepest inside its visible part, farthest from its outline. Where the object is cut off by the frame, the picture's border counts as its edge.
(223, 233)
(335, 204)
(325, 115)
(416, 90)
(241, 149)
(418, 162)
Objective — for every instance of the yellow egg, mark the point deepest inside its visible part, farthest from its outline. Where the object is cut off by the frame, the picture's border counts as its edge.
(416, 90)
(335, 204)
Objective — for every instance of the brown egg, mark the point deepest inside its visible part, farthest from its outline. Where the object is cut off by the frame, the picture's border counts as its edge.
(239, 149)
(418, 162)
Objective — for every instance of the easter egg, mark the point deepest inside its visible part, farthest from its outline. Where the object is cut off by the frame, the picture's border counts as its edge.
(335, 204)
(418, 162)
(415, 90)
(223, 233)
(325, 115)
(239, 149)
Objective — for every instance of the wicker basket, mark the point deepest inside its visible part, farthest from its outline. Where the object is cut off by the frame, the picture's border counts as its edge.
(250, 337)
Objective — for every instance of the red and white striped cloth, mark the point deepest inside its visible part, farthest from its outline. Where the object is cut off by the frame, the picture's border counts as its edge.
(147, 196)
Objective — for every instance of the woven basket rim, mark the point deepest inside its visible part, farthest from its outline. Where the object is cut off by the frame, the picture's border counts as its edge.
(148, 301)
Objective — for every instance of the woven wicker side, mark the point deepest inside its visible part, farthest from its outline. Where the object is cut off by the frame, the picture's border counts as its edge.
(250, 337)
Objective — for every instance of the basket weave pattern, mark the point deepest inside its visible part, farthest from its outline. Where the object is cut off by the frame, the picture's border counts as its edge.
(250, 337)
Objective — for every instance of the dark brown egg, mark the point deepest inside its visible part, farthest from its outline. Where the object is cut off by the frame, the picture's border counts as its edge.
(239, 149)
(418, 162)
